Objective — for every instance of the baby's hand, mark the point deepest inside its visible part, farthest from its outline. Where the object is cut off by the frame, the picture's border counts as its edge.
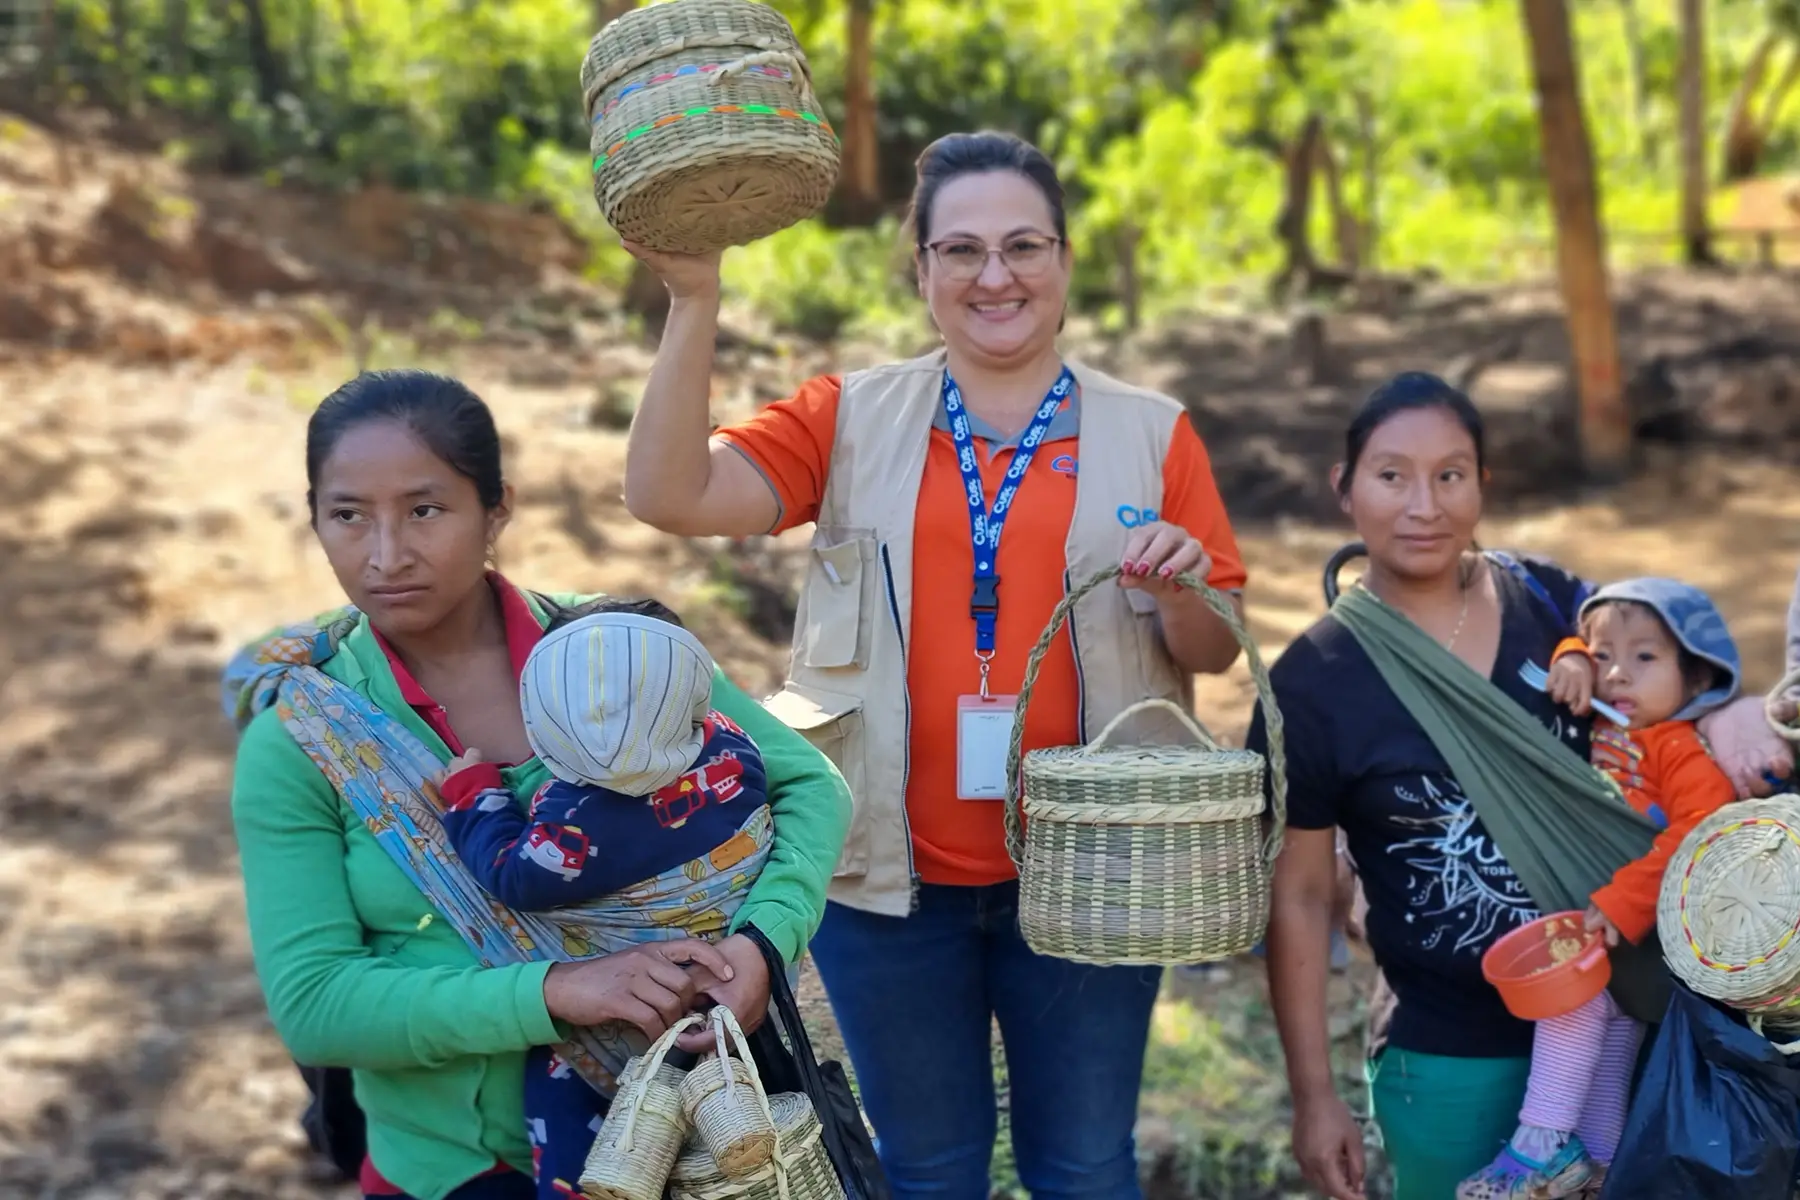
(463, 761)
(1599, 922)
(1572, 683)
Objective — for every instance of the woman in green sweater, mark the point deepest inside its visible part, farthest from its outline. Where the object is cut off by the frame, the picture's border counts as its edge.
(360, 968)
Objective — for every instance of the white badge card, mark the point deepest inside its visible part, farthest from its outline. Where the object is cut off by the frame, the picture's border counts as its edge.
(984, 727)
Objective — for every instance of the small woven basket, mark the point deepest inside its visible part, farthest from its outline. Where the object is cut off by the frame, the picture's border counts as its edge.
(800, 1169)
(643, 1132)
(1144, 855)
(1728, 914)
(724, 1099)
(703, 125)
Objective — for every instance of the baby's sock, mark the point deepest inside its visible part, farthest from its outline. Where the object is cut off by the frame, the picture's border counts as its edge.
(1536, 1144)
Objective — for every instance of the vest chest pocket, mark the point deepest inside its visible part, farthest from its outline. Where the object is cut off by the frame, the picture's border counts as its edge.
(837, 604)
(833, 723)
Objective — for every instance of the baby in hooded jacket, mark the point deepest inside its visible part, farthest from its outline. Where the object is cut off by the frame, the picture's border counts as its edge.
(1658, 654)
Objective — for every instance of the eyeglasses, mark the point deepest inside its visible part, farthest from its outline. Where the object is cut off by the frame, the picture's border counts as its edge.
(1025, 256)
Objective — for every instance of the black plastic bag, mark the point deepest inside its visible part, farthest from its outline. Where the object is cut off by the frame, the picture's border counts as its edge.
(1716, 1115)
(333, 1121)
(790, 1066)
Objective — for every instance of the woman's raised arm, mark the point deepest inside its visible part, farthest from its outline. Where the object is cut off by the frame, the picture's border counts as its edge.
(677, 477)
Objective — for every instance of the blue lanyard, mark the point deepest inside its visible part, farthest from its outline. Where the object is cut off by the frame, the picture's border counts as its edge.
(985, 525)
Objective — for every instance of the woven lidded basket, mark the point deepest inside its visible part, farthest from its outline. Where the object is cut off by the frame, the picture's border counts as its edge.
(724, 1099)
(703, 125)
(799, 1170)
(644, 1128)
(1728, 914)
(1142, 855)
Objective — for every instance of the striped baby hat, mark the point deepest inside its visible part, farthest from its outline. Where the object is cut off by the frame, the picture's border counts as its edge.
(617, 699)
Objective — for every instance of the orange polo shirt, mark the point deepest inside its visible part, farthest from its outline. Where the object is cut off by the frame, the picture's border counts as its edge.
(963, 841)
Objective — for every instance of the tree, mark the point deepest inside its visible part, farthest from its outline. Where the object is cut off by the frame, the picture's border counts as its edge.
(861, 144)
(1696, 233)
(608, 11)
(1738, 147)
(1605, 427)
(1640, 91)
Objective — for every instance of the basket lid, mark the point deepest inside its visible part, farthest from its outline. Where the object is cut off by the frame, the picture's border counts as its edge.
(1729, 911)
(795, 1125)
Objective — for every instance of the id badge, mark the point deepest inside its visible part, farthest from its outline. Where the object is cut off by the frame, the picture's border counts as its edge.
(984, 727)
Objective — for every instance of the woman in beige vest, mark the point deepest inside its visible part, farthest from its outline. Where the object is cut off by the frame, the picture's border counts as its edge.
(914, 626)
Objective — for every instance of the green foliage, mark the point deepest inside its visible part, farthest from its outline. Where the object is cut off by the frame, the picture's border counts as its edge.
(1167, 117)
(824, 283)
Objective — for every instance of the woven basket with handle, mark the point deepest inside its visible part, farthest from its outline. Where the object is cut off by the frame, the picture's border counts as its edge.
(1144, 855)
(800, 1168)
(644, 1128)
(724, 1099)
(704, 127)
(1728, 914)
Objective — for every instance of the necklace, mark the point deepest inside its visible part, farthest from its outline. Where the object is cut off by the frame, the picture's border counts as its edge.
(1462, 616)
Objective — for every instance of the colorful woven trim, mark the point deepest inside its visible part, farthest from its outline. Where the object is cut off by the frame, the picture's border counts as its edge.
(1687, 878)
(684, 73)
(767, 110)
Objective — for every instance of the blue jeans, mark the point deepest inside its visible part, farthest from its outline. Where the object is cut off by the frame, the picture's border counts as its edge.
(916, 998)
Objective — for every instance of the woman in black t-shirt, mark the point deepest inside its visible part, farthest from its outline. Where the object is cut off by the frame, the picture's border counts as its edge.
(1448, 1084)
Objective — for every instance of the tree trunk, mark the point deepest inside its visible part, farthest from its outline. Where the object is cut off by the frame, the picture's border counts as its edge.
(1738, 154)
(1294, 224)
(49, 81)
(175, 32)
(608, 11)
(119, 18)
(1130, 290)
(1605, 427)
(1371, 225)
(1790, 75)
(862, 157)
(1696, 230)
(1640, 93)
(1343, 222)
(270, 82)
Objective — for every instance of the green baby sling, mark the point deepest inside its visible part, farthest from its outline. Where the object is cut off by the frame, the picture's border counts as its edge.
(1562, 824)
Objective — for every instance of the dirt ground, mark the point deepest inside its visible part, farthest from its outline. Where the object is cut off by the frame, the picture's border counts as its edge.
(161, 342)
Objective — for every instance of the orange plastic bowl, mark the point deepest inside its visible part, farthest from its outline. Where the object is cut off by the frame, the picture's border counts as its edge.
(1534, 986)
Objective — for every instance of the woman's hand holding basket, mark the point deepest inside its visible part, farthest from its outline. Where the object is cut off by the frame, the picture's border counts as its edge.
(687, 276)
(649, 986)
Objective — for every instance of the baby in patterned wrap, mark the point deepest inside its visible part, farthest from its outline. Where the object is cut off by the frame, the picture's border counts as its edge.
(646, 779)
(1657, 652)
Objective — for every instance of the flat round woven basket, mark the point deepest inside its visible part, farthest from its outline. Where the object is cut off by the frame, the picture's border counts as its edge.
(1728, 914)
(703, 125)
(800, 1170)
(1142, 855)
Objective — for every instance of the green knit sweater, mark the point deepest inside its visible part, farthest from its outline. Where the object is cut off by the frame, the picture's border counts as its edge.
(361, 972)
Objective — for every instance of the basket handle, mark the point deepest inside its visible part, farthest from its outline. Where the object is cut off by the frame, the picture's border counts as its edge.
(781, 52)
(659, 1050)
(1259, 674)
(725, 1022)
(1777, 693)
(1181, 714)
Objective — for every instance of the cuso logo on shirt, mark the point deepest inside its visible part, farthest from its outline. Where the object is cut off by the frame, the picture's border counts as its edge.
(1131, 517)
(1064, 464)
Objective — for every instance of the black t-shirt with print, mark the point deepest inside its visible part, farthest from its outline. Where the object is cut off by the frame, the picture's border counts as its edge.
(1439, 891)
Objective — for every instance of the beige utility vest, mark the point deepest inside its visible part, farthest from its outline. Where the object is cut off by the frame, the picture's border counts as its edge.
(846, 689)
